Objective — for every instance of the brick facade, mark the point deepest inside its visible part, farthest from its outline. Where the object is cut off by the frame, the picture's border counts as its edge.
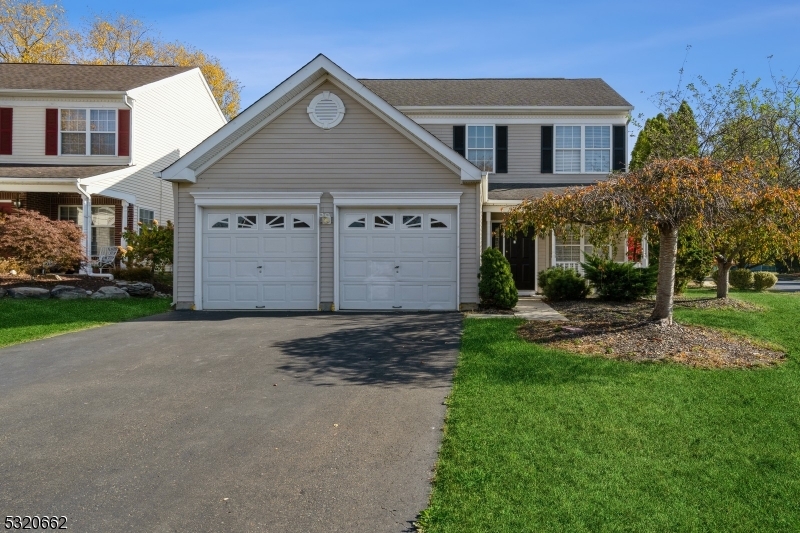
(47, 204)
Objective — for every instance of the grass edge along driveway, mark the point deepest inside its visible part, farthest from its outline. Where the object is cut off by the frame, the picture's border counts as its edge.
(543, 440)
(27, 320)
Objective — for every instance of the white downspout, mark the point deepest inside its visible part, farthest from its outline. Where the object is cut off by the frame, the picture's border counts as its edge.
(87, 231)
(132, 136)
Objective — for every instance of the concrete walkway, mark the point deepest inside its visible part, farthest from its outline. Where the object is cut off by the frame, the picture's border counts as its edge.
(529, 308)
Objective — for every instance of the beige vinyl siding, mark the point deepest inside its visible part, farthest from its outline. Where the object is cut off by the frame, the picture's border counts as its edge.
(524, 155)
(170, 118)
(362, 154)
(28, 138)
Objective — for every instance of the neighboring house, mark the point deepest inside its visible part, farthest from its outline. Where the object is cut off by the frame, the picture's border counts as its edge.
(336, 193)
(81, 142)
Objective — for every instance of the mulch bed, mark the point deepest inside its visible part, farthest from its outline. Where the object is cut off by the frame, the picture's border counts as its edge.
(49, 281)
(623, 331)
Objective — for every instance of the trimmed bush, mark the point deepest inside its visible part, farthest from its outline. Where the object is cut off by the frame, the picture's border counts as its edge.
(764, 280)
(135, 273)
(559, 283)
(619, 281)
(496, 287)
(741, 279)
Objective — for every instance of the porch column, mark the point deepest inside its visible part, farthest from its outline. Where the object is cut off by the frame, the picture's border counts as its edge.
(645, 252)
(488, 230)
(122, 241)
(87, 223)
(553, 247)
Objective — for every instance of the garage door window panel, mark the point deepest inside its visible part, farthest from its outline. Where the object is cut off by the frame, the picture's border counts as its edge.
(355, 221)
(384, 221)
(304, 221)
(217, 222)
(412, 222)
(440, 221)
(246, 221)
(274, 222)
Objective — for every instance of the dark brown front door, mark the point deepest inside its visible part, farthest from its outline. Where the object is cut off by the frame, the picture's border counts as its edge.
(521, 255)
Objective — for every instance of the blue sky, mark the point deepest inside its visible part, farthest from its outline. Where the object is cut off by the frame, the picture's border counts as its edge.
(637, 47)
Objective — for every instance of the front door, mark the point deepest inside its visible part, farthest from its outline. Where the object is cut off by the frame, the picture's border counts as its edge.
(521, 254)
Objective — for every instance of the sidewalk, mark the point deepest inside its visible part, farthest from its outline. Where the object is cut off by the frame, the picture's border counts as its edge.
(529, 308)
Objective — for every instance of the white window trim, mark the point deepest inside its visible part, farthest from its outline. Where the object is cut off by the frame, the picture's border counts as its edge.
(80, 217)
(494, 144)
(583, 148)
(139, 215)
(88, 131)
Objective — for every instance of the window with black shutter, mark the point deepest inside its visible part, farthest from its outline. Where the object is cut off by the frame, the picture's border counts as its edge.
(547, 149)
(618, 154)
(460, 139)
(501, 147)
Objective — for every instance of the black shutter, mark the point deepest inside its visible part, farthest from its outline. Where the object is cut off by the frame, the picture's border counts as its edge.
(460, 139)
(619, 149)
(547, 149)
(501, 147)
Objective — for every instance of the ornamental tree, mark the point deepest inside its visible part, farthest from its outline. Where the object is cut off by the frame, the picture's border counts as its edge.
(663, 198)
(33, 240)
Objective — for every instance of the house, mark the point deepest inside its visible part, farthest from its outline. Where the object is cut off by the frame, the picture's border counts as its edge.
(336, 193)
(81, 142)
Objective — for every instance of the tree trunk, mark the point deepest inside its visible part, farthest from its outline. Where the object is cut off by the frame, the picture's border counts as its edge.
(724, 269)
(665, 293)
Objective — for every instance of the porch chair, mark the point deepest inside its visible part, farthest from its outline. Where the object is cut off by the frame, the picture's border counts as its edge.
(106, 257)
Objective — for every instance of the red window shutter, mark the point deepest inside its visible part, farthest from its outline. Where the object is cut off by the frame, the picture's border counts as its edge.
(51, 132)
(6, 127)
(124, 129)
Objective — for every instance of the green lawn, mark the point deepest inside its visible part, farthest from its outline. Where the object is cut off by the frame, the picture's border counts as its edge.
(27, 320)
(542, 440)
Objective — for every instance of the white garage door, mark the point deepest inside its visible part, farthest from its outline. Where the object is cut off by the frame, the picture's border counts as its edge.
(259, 259)
(398, 259)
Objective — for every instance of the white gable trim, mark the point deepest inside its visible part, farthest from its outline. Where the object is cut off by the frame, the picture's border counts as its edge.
(321, 63)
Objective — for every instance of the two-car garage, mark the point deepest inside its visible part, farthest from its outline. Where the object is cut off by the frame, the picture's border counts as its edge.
(385, 258)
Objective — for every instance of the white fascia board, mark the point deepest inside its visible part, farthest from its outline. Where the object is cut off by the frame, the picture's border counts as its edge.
(185, 175)
(433, 198)
(56, 93)
(524, 109)
(252, 199)
(38, 184)
(322, 63)
(613, 120)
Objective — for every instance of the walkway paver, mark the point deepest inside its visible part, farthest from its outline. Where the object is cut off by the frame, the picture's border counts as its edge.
(529, 308)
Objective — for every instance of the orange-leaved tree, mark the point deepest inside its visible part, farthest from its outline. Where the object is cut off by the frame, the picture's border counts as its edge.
(663, 198)
(33, 240)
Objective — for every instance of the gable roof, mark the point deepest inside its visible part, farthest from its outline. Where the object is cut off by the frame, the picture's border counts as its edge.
(252, 119)
(112, 78)
(518, 92)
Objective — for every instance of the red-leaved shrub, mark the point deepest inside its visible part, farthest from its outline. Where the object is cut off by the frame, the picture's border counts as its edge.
(34, 240)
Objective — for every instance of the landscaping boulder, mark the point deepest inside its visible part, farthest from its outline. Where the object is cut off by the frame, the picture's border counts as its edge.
(110, 293)
(139, 289)
(29, 292)
(67, 292)
(2, 292)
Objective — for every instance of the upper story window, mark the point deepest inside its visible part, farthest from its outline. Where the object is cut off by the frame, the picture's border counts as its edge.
(582, 149)
(88, 131)
(480, 147)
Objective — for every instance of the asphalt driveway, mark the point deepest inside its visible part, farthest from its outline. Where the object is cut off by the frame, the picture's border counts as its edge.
(228, 422)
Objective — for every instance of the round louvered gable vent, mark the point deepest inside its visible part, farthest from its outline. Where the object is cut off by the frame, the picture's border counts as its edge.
(326, 110)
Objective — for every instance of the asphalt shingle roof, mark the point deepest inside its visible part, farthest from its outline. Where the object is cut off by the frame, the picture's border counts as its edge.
(497, 92)
(521, 191)
(15, 76)
(10, 170)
